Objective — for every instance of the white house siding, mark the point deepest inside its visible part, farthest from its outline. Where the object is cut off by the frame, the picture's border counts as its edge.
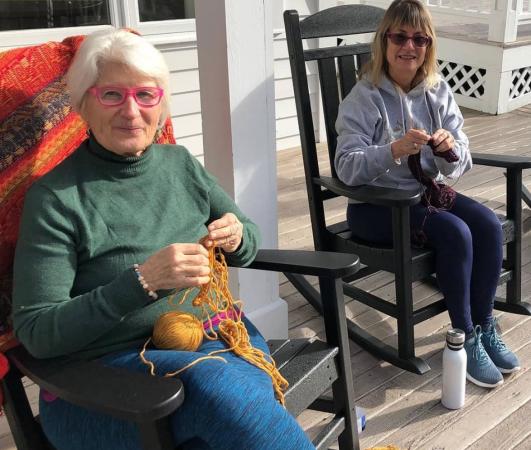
(287, 128)
(185, 102)
(286, 115)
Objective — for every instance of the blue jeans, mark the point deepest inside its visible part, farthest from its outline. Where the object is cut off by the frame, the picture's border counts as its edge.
(227, 406)
(468, 252)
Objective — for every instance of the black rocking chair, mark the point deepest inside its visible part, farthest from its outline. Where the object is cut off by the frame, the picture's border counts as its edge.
(337, 71)
(311, 368)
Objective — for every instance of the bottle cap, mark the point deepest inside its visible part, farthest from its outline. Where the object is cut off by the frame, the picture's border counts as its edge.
(455, 337)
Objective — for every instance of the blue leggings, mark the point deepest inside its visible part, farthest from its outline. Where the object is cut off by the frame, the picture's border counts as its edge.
(468, 252)
(226, 407)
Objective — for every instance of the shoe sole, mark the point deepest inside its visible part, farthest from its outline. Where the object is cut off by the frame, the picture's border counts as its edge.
(514, 369)
(481, 383)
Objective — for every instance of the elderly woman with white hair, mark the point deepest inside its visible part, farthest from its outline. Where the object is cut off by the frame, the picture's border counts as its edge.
(108, 234)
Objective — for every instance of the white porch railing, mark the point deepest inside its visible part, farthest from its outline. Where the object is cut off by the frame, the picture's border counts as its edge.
(503, 17)
(506, 17)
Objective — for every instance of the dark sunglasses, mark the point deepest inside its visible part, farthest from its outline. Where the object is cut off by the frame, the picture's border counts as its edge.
(402, 38)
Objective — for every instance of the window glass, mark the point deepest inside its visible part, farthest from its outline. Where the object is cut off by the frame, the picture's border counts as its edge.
(31, 14)
(152, 10)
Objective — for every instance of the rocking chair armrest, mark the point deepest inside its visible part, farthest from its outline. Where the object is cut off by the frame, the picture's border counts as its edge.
(371, 194)
(121, 393)
(327, 264)
(505, 161)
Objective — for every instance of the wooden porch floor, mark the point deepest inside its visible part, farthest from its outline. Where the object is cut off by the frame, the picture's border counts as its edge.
(404, 409)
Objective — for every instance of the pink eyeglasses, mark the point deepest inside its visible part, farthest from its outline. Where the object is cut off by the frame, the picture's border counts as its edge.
(145, 96)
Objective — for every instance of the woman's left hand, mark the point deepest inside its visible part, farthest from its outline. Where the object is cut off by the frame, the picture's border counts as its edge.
(443, 141)
(225, 232)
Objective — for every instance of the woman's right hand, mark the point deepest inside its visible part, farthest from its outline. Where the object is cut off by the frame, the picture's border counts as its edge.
(176, 266)
(410, 143)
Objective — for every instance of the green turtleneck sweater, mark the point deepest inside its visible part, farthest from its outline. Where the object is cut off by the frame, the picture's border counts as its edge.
(83, 227)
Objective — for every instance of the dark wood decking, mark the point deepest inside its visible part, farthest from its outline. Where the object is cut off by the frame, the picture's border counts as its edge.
(404, 409)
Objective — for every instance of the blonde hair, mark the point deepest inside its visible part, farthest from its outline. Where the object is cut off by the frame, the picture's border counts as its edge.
(404, 13)
(118, 46)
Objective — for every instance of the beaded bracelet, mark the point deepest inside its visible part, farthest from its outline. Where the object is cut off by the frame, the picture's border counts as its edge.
(142, 281)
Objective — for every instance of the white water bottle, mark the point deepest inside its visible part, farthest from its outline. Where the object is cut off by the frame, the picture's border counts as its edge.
(454, 370)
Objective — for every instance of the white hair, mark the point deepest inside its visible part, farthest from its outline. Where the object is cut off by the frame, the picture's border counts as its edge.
(118, 46)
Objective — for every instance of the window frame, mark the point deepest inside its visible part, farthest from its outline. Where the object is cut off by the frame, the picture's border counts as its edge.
(132, 20)
(123, 13)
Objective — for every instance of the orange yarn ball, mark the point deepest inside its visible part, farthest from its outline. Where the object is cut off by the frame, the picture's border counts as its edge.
(176, 330)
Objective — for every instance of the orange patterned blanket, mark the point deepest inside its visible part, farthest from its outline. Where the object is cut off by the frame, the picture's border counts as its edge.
(38, 129)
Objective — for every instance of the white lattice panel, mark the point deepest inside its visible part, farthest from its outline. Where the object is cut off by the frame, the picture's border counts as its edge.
(521, 82)
(465, 80)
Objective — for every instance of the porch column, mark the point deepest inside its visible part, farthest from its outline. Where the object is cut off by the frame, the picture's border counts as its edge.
(235, 55)
(503, 21)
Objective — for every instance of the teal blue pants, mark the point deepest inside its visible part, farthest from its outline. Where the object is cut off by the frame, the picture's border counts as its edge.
(227, 406)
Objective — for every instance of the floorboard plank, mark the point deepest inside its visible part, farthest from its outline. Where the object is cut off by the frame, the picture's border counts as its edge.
(513, 429)
(418, 415)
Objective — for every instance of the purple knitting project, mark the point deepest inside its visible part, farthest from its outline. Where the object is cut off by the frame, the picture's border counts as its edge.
(449, 156)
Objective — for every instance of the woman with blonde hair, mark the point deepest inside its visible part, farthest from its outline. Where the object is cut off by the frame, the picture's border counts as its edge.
(409, 135)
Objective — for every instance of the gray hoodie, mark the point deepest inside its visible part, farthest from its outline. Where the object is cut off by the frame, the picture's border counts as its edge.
(370, 118)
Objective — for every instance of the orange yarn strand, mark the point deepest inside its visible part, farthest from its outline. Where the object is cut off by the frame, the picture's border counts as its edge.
(217, 296)
(214, 298)
(177, 372)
